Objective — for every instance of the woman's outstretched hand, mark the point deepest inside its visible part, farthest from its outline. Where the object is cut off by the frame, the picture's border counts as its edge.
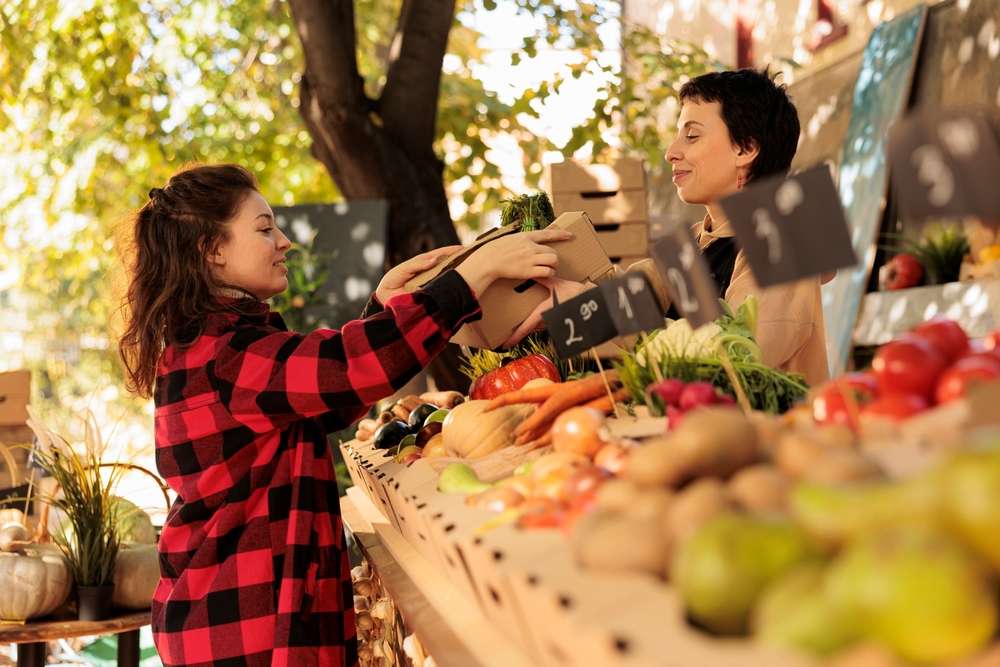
(393, 281)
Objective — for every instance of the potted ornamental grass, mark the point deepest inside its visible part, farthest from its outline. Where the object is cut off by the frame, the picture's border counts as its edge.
(89, 540)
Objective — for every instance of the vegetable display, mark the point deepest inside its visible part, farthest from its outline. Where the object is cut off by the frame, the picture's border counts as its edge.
(680, 353)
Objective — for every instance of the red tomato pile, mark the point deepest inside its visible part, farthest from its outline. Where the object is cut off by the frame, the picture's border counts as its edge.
(931, 365)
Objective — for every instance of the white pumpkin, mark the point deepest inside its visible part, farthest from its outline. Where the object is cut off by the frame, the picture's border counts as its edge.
(469, 432)
(35, 581)
(137, 572)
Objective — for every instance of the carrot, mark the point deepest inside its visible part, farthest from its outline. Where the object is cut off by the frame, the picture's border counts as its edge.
(543, 441)
(570, 394)
(533, 395)
(606, 403)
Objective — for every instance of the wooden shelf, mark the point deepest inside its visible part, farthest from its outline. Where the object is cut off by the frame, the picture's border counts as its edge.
(885, 315)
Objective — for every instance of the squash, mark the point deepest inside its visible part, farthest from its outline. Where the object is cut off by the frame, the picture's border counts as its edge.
(469, 432)
(137, 573)
(35, 581)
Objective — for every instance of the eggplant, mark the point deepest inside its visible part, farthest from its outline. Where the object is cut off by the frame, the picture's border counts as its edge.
(427, 432)
(389, 435)
(419, 414)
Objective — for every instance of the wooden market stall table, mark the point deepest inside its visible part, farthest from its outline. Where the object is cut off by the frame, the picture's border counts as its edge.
(31, 637)
(449, 626)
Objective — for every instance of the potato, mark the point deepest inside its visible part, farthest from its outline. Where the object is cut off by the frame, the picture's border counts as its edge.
(693, 507)
(615, 542)
(760, 488)
(714, 442)
(654, 463)
(797, 453)
(841, 465)
(651, 503)
(618, 495)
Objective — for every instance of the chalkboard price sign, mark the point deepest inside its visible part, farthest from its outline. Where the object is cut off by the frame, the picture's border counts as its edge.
(686, 276)
(632, 305)
(580, 323)
(791, 228)
(946, 164)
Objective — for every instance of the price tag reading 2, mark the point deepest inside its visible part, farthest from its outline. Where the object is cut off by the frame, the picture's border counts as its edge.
(686, 276)
(946, 164)
(792, 228)
(580, 323)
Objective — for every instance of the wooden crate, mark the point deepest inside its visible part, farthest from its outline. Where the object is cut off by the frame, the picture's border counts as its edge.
(623, 239)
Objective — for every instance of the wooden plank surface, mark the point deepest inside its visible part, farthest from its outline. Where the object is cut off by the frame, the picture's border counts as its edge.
(448, 622)
(45, 630)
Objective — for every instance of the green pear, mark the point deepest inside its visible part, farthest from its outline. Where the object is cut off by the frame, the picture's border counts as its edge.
(917, 592)
(722, 568)
(972, 504)
(459, 478)
(837, 514)
(792, 612)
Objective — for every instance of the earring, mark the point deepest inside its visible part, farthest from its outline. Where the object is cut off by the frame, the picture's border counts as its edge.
(740, 180)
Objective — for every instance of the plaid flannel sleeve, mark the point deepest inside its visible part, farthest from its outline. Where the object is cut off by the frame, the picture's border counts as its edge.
(270, 378)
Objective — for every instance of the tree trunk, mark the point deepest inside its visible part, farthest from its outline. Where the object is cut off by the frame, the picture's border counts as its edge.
(371, 157)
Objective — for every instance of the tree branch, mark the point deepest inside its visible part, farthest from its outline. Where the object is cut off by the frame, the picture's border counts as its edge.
(410, 98)
(326, 30)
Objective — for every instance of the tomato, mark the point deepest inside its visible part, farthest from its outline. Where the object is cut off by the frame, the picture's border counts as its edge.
(966, 373)
(991, 343)
(946, 336)
(900, 272)
(514, 375)
(908, 365)
(831, 404)
(896, 406)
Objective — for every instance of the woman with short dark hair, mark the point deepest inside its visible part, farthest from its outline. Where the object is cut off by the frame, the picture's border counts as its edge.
(736, 127)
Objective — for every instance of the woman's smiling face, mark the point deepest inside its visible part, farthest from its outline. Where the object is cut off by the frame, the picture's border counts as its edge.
(252, 256)
(706, 165)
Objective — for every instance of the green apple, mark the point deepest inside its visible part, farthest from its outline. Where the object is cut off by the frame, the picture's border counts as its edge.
(722, 569)
(917, 591)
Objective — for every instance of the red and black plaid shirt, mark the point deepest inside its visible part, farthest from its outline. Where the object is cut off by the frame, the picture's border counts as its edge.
(254, 569)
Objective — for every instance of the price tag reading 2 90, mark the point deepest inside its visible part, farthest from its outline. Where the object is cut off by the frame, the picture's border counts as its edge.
(686, 276)
(580, 323)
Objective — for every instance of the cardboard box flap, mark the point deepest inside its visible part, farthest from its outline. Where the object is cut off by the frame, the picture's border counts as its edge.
(578, 177)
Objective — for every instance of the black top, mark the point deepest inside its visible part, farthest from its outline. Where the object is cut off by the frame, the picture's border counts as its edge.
(720, 255)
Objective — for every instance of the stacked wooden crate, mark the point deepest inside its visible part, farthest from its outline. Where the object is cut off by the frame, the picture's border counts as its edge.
(613, 195)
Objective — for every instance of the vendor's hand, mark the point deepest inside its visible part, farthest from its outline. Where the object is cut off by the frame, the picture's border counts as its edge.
(518, 256)
(563, 289)
(393, 281)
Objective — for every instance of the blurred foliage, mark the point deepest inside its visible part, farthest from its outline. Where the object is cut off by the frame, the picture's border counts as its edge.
(308, 270)
(100, 101)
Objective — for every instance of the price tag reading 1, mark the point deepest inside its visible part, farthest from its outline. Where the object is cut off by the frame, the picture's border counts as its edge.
(580, 323)
(792, 228)
(632, 304)
(686, 276)
(946, 164)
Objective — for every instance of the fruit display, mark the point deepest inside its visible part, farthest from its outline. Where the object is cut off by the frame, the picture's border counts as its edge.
(795, 533)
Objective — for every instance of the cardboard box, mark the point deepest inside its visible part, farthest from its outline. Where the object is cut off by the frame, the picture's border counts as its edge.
(623, 239)
(507, 303)
(15, 390)
(582, 177)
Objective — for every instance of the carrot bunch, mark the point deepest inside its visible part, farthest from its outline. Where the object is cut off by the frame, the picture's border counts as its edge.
(556, 398)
